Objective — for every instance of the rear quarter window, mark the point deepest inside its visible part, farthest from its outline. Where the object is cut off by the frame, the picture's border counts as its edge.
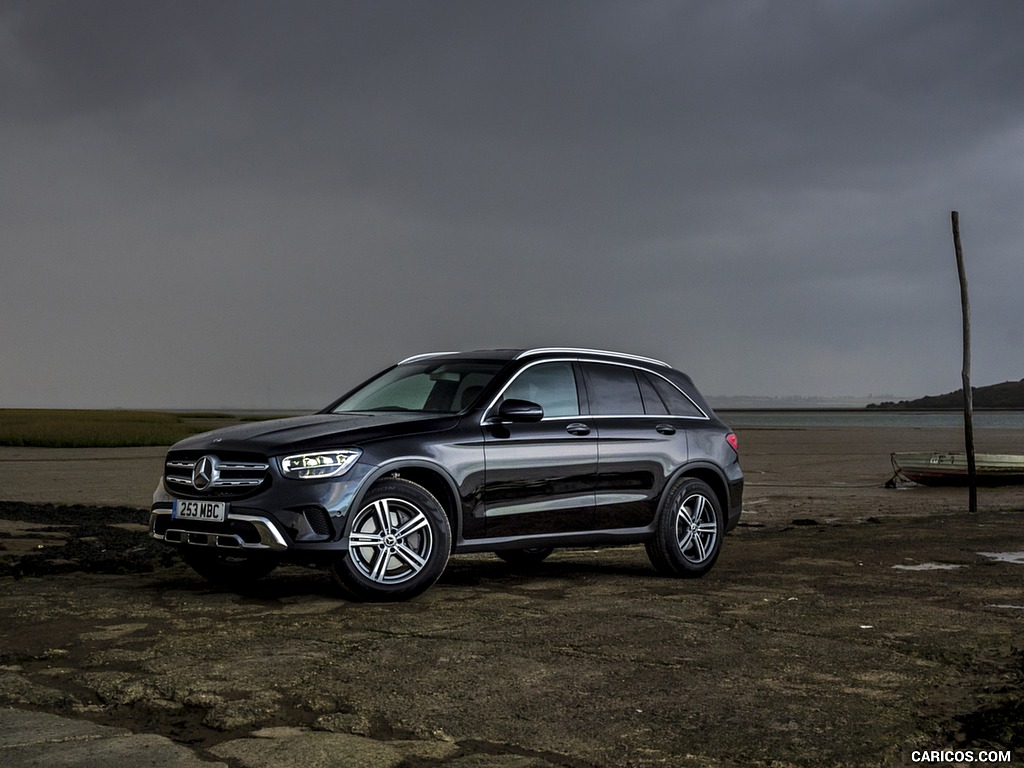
(653, 404)
(675, 401)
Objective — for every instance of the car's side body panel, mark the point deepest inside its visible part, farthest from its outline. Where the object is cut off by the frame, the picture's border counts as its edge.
(539, 478)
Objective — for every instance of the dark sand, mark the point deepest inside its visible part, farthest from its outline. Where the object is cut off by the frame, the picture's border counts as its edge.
(844, 623)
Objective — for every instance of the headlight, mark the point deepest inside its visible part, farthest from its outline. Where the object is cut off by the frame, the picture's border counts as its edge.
(314, 466)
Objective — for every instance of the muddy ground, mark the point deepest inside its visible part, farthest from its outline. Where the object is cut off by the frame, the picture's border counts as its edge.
(843, 624)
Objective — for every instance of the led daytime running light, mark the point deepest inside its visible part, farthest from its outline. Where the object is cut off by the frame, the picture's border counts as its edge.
(314, 466)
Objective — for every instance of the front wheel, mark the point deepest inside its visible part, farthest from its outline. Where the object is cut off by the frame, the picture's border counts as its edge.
(690, 530)
(398, 543)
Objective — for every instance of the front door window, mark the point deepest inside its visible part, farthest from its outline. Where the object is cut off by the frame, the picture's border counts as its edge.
(551, 385)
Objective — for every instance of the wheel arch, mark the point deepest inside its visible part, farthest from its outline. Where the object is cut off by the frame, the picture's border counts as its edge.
(428, 475)
(710, 474)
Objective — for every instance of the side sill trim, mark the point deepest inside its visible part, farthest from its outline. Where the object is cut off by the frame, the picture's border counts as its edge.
(609, 537)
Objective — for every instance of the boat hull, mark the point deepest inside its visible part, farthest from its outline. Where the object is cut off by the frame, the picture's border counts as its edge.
(934, 468)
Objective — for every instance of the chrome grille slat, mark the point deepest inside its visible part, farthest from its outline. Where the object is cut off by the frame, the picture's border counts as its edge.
(232, 474)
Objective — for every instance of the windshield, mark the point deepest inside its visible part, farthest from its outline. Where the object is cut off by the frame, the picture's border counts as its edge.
(426, 387)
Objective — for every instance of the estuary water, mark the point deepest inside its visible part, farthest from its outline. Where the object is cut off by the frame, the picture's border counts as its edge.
(860, 417)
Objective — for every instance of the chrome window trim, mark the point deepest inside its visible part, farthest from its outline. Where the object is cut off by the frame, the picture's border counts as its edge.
(702, 417)
(703, 414)
(520, 372)
(663, 416)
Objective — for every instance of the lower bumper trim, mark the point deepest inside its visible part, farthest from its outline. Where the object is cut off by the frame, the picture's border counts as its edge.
(178, 532)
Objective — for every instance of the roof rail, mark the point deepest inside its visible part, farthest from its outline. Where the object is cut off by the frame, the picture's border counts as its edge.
(576, 350)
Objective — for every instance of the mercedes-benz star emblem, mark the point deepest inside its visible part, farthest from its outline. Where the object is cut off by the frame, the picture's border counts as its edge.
(204, 473)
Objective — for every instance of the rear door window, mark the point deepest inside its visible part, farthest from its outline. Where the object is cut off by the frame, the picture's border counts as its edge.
(613, 390)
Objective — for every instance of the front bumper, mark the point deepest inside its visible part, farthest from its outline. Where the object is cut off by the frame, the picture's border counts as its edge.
(306, 517)
(239, 532)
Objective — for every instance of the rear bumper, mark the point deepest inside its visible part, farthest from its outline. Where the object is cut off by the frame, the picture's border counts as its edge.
(732, 518)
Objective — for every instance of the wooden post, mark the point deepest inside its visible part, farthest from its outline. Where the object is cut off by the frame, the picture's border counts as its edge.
(972, 472)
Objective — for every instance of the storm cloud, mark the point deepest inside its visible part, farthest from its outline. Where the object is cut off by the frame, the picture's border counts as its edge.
(258, 204)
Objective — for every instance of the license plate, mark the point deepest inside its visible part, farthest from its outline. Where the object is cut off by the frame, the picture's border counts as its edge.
(208, 511)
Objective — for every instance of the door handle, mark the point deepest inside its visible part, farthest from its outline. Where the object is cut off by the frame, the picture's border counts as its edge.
(666, 429)
(576, 428)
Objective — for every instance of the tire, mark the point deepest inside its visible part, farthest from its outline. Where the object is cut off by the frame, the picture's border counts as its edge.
(524, 557)
(690, 530)
(398, 543)
(228, 568)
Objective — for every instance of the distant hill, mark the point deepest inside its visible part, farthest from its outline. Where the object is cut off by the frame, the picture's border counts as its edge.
(1008, 395)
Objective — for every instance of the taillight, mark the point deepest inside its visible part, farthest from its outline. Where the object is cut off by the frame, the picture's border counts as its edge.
(732, 440)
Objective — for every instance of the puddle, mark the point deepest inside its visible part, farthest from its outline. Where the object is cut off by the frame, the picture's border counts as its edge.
(1010, 607)
(1005, 557)
(928, 567)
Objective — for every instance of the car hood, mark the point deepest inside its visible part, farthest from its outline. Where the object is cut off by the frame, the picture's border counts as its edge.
(321, 430)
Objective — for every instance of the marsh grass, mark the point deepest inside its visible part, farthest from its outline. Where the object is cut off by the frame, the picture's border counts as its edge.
(29, 427)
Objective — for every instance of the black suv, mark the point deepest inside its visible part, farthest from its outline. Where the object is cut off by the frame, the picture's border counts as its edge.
(514, 452)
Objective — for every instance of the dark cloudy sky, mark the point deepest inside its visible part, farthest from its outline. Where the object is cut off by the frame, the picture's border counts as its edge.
(257, 204)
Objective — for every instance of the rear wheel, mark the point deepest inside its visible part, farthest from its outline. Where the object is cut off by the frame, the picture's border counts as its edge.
(398, 543)
(690, 530)
(228, 568)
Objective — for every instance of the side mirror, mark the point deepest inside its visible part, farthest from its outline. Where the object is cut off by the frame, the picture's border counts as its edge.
(517, 412)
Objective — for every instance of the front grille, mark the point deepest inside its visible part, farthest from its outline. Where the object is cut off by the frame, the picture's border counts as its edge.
(216, 476)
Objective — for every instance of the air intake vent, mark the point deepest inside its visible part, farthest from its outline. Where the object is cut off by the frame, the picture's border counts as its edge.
(318, 520)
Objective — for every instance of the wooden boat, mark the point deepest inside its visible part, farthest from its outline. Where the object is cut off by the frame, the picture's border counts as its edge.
(933, 468)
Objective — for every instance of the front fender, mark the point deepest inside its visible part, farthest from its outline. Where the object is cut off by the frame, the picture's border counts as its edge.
(434, 477)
